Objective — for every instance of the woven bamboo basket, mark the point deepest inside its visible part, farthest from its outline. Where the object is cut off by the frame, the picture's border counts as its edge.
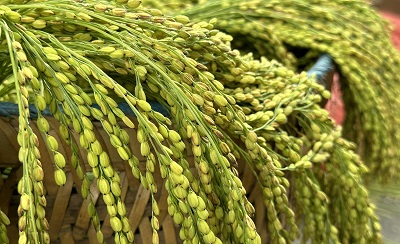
(66, 210)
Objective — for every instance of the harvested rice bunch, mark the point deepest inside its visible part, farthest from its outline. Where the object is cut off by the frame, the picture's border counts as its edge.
(57, 68)
(356, 38)
(67, 55)
(282, 108)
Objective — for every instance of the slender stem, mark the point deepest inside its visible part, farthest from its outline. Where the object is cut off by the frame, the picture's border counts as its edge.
(25, 143)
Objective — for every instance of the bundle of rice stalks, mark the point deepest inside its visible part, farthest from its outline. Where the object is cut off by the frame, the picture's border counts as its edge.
(295, 32)
(226, 108)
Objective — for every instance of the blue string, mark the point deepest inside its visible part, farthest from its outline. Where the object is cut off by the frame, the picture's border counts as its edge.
(321, 68)
(8, 109)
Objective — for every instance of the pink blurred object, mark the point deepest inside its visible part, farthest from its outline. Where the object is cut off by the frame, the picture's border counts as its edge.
(394, 19)
(335, 104)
